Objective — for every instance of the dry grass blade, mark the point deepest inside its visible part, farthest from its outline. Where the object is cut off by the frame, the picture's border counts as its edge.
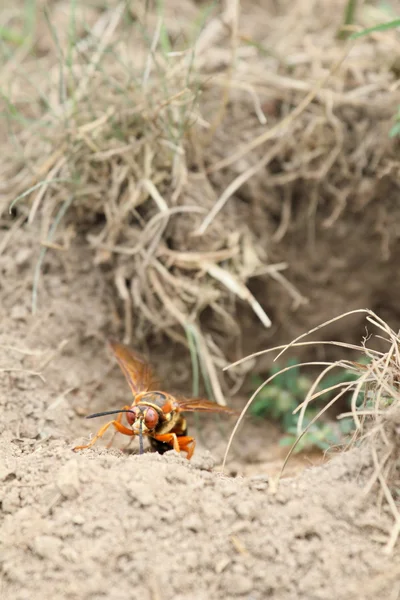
(389, 498)
(268, 135)
(372, 373)
(24, 351)
(272, 133)
(254, 395)
(376, 418)
(20, 370)
(314, 329)
(299, 344)
(312, 396)
(209, 365)
(237, 288)
(234, 186)
(344, 391)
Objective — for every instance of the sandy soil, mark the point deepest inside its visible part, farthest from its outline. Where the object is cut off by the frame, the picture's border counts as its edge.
(115, 525)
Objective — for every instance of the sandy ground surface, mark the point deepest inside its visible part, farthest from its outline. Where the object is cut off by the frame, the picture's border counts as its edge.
(116, 525)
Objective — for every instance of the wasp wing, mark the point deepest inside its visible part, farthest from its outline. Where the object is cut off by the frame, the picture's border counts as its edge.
(200, 405)
(137, 371)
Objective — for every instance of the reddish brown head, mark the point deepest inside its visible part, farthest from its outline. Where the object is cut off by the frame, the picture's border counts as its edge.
(144, 412)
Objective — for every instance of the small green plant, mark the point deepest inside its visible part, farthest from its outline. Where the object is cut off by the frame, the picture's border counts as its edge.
(321, 434)
(278, 401)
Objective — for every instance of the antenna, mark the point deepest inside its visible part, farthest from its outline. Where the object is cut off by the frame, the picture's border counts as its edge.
(110, 412)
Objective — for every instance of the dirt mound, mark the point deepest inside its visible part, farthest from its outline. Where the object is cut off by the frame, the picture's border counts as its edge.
(106, 525)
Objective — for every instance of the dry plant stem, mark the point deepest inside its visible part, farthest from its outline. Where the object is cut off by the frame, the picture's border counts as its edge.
(374, 477)
(380, 323)
(365, 377)
(361, 382)
(235, 185)
(310, 394)
(203, 350)
(189, 289)
(365, 413)
(270, 134)
(22, 350)
(208, 362)
(310, 424)
(314, 329)
(50, 356)
(8, 235)
(43, 188)
(239, 289)
(194, 260)
(298, 344)
(253, 396)
(298, 298)
(154, 43)
(19, 370)
(389, 499)
(233, 7)
(115, 16)
(123, 291)
(146, 233)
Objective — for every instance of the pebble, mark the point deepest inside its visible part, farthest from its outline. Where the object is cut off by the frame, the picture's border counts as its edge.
(47, 546)
(235, 584)
(7, 471)
(193, 522)
(68, 479)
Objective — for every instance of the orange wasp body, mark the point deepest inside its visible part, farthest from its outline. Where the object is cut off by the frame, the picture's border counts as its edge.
(153, 413)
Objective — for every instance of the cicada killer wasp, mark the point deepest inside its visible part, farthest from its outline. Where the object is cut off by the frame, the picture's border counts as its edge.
(153, 413)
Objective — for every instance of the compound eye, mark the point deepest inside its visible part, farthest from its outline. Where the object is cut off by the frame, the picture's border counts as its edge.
(132, 416)
(151, 418)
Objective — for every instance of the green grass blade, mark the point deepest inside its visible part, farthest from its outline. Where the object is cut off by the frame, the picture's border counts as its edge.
(382, 27)
(35, 187)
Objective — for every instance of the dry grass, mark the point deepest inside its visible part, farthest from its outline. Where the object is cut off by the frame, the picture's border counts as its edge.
(135, 127)
(376, 419)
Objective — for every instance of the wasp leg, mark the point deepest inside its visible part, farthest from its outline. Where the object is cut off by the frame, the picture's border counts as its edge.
(118, 427)
(187, 444)
(118, 420)
(178, 443)
(169, 438)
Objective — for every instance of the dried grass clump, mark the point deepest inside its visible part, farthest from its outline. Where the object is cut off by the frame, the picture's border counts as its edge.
(135, 127)
(108, 149)
(376, 418)
(330, 108)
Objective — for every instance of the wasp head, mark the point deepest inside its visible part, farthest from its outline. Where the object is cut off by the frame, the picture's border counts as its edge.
(142, 417)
